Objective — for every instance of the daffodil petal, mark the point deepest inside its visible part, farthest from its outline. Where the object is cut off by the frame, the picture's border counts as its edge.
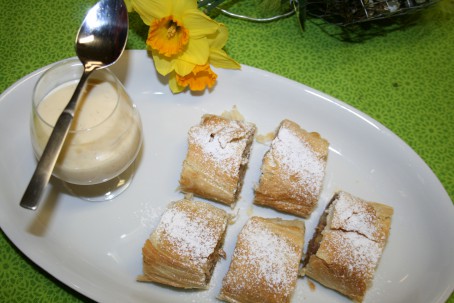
(197, 51)
(129, 5)
(163, 64)
(202, 76)
(183, 68)
(151, 9)
(199, 24)
(173, 84)
(220, 59)
(181, 6)
(219, 39)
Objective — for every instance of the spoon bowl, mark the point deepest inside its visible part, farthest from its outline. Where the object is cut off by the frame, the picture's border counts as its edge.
(100, 41)
(102, 36)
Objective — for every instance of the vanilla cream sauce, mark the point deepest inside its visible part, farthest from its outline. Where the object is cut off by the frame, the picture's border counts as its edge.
(105, 135)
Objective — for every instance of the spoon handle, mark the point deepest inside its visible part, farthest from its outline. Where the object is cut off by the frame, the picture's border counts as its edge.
(49, 157)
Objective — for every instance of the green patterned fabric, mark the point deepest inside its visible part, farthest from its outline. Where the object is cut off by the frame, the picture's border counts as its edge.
(404, 79)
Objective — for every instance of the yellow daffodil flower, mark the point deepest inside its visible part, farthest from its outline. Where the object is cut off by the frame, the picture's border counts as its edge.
(178, 30)
(202, 76)
(184, 42)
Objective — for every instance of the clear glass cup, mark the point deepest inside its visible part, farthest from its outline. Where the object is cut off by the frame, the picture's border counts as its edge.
(97, 159)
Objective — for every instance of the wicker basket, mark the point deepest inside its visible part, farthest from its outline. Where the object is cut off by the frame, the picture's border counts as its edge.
(348, 12)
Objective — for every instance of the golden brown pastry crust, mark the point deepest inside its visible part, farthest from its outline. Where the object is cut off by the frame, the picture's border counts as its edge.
(348, 243)
(266, 261)
(217, 157)
(293, 171)
(184, 248)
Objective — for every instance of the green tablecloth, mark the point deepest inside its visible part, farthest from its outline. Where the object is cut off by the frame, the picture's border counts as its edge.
(403, 79)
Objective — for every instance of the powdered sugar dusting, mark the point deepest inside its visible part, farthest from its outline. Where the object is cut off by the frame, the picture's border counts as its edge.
(222, 143)
(148, 214)
(353, 214)
(191, 232)
(354, 252)
(264, 256)
(300, 161)
(354, 238)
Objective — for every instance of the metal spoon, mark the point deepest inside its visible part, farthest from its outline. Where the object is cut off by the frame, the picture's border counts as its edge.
(100, 42)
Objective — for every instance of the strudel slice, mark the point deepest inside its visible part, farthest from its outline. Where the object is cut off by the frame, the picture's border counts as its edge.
(293, 170)
(348, 243)
(266, 261)
(217, 157)
(185, 246)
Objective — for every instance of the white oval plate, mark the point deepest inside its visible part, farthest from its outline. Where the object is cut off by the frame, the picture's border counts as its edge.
(95, 248)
